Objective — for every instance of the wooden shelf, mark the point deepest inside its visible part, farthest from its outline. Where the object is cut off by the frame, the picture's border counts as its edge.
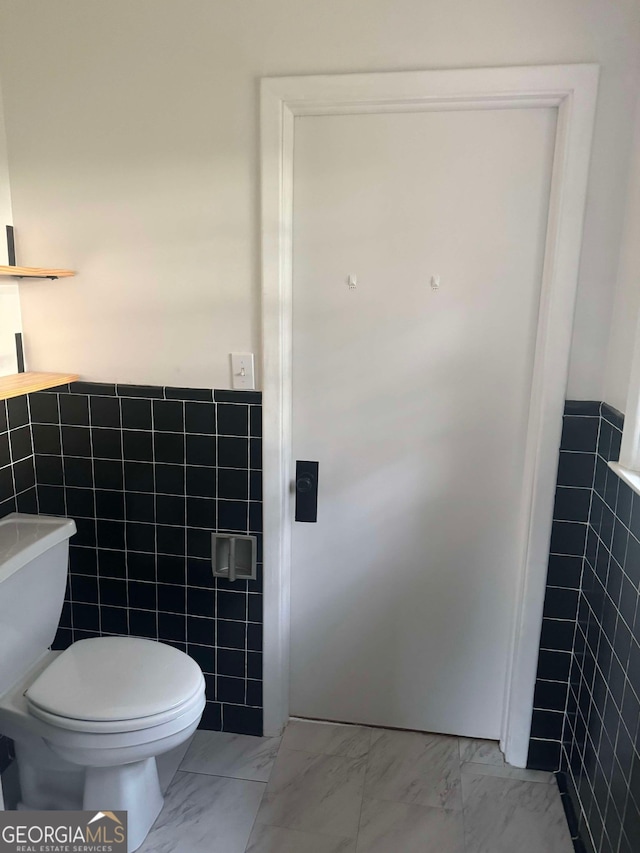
(27, 383)
(34, 272)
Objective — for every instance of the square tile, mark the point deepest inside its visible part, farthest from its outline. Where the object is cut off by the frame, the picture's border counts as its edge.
(231, 605)
(168, 447)
(414, 768)
(51, 501)
(21, 443)
(232, 755)
(231, 635)
(105, 411)
(74, 409)
(576, 469)
(112, 564)
(136, 414)
(141, 537)
(201, 482)
(233, 419)
(200, 418)
(572, 504)
(143, 623)
(240, 718)
(46, 438)
(140, 506)
(199, 544)
(233, 484)
(503, 815)
(231, 662)
(201, 512)
(170, 509)
(171, 598)
(169, 479)
(137, 445)
(170, 540)
(171, 627)
(544, 754)
(579, 433)
(568, 537)
(233, 452)
(314, 793)
(205, 813)
(49, 470)
(547, 725)
(199, 573)
(44, 408)
(232, 515)
(76, 441)
(201, 450)
(168, 415)
(79, 472)
(171, 569)
(107, 443)
(230, 690)
(80, 503)
(109, 505)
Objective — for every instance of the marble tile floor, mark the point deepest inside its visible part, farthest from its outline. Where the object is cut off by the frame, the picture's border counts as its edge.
(325, 788)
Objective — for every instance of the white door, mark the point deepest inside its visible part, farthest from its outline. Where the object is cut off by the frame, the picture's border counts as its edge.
(411, 390)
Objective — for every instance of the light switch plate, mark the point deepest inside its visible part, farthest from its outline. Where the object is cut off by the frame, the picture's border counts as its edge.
(242, 372)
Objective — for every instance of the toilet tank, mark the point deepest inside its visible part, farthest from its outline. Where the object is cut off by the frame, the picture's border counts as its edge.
(34, 553)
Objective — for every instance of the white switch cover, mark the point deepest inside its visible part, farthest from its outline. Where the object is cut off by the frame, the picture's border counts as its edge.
(242, 375)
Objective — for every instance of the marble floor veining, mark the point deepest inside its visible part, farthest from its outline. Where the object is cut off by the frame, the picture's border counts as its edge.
(325, 788)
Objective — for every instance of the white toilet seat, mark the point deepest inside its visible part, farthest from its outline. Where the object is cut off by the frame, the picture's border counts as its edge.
(80, 726)
(116, 683)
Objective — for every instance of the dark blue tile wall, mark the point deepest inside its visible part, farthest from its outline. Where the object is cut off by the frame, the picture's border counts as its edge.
(598, 747)
(17, 478)
(576, 469)
(148, 473)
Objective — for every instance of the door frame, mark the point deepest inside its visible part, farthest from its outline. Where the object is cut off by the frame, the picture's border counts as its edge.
(572, 89)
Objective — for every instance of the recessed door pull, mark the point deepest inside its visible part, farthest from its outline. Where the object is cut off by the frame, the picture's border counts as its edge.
(306, 491)
(233, 556)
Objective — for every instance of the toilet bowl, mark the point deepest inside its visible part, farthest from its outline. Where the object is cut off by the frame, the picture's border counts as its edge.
(87, 722)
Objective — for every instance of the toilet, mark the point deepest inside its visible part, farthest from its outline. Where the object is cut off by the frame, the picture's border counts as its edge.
(87, 722)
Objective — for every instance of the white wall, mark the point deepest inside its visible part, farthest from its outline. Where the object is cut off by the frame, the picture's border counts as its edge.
(9, 295)
(627, 304)
(133, 134)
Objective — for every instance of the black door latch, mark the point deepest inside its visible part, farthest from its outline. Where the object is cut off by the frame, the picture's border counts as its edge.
(306, 491)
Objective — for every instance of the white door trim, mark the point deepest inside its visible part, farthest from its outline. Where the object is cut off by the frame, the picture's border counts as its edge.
(570, 88)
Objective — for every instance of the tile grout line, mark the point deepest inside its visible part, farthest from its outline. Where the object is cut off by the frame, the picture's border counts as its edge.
(364, 788)
(264, 791)
(463, 806)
